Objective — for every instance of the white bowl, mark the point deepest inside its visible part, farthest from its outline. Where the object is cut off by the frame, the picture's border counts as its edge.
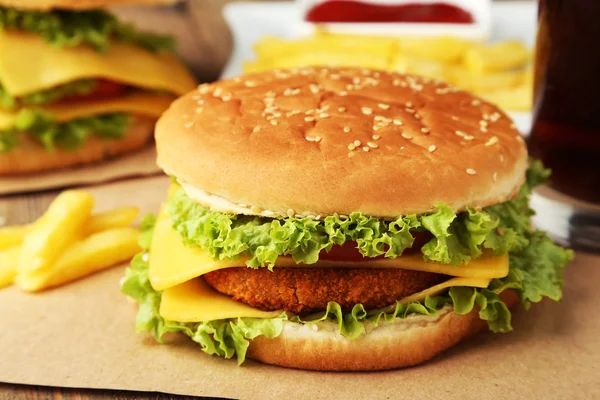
(478, 31)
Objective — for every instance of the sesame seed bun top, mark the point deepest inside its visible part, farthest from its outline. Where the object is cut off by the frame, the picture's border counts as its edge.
(44, 5)
(319, 141)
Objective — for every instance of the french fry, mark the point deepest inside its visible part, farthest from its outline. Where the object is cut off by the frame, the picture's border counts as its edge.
(516, 99)
(491, 81)
(11, 236)
(95, 253)
(117, 218)
(419, 66)
(58, 228)
(8, 265)
(498, 57)
(446, 50)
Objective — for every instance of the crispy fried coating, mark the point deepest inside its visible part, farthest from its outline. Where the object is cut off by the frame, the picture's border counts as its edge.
(306, 290)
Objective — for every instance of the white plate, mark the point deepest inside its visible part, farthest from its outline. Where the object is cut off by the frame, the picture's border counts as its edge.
(249, 22)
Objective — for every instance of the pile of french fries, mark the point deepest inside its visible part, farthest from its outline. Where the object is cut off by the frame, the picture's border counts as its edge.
(66, 243)
(500, 72)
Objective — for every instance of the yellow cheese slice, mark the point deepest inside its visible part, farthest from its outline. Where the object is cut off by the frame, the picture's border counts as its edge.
(437, 289)
(141, 103)
(172, 263)
(196, 301)
(29, 64)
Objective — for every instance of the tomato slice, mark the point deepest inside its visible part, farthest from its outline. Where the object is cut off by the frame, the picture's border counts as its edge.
(349, 252)
(105, 89)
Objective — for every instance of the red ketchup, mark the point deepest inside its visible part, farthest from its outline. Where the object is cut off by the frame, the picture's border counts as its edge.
(357, 11)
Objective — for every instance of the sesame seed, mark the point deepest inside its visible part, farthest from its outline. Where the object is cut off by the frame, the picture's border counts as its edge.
(417, 116)
(343, 93)
(200, 102)
(314, 88)
(375, 127)
(519, 138)
(273, 122)
(367, 110)
(409, 104)
(396, 82)
(318, 217)
(312, 139)
(357, 143)
(493, 140)
(397, 122)
(409, 110)
(372, 145)
(199, 110)
(186, 116)
(468, 137)
(217, 92)
(292, 113)
(195, 97)
(290, 212)
(250, 83)
(351, 146)
(342, 109)
(203, 89)
(495, 177)
(347, 129)
(376, 137)
(307, 112)
(471, 171)
(460, 133)
(309, 118)
(406, 136)
(256, 210)
(335, 76)
(317, 139)
(483, 122)
(501, 157)
(401, 147)
(383, 106)
(256, 129)
(425, 130)
(351, 154)
(513, 126)
(270, 93)
(432, 148)
(376, 74)
(189, 124)
(455, 118)
(366, 148)
(483, 129)
(476, 102)
(324, 115)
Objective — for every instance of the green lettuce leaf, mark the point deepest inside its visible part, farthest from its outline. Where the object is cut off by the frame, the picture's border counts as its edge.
(456, 238)
(80, 87)
(94, 28)
(50, 133)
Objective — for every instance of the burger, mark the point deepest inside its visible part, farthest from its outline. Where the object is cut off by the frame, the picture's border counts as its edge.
(78, 86)
(340, 219)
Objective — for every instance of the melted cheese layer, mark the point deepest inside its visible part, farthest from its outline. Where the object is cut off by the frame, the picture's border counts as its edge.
(29, 64)
(142, 103)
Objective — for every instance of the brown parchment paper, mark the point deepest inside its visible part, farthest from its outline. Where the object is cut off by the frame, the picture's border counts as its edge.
(140, 163)
(82, 335)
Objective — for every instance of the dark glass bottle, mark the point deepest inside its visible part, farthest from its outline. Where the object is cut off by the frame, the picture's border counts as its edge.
(566, 129)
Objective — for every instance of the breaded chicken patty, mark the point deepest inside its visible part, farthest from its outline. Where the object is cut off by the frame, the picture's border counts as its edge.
(306, 290)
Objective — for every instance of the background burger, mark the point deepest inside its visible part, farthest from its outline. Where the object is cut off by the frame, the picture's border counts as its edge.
(340, 219)
(77, 85)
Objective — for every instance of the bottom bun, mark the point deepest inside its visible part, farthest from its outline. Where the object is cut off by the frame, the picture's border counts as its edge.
(29, 156)
(397, 344)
